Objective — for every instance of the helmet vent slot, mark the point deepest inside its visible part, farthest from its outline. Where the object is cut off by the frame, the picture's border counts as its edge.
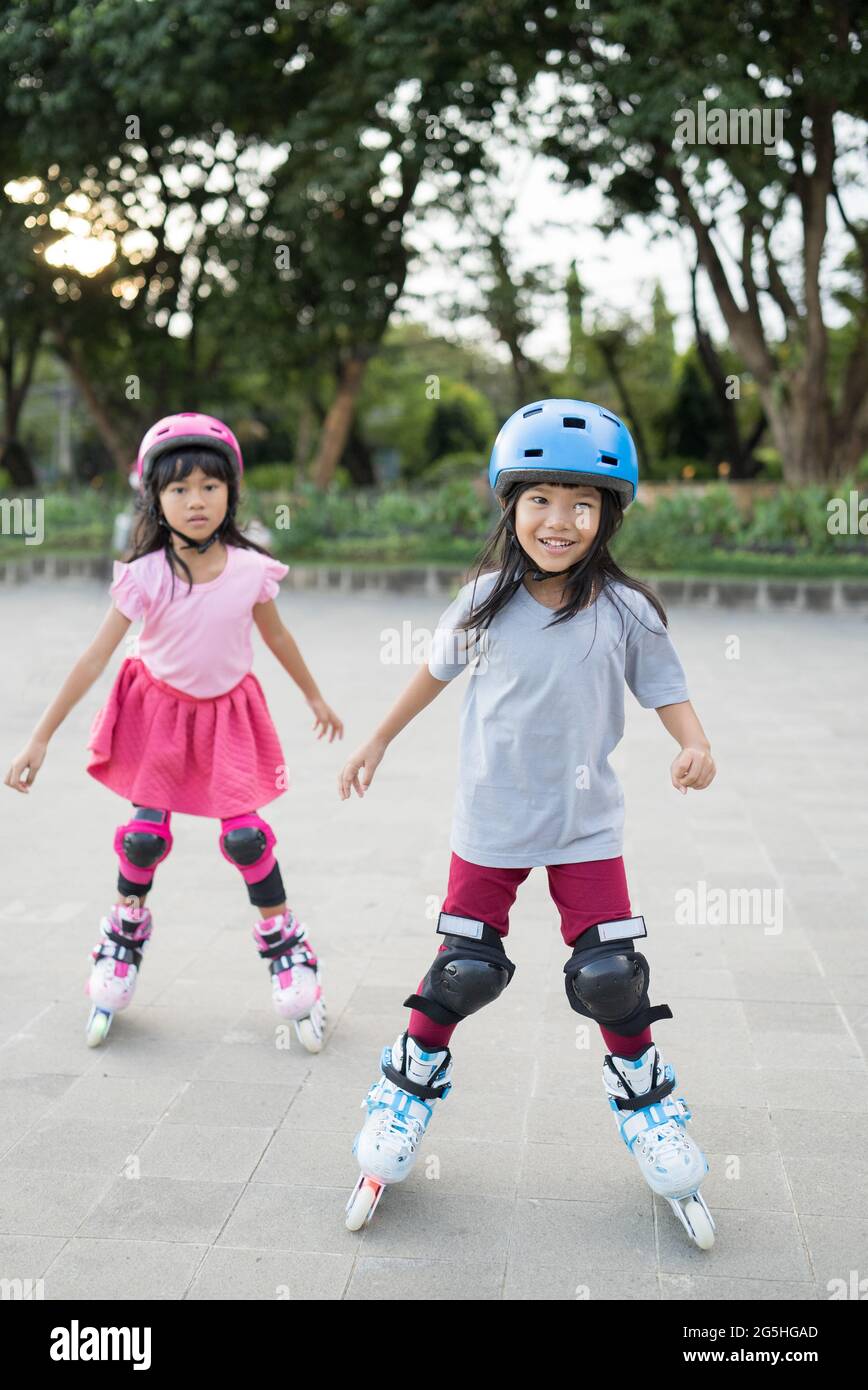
(610, 418)
(533, 453)
(573, 422)
(537, 410)
(608, 458)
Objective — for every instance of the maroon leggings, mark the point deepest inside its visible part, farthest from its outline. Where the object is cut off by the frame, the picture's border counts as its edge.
(584, 894)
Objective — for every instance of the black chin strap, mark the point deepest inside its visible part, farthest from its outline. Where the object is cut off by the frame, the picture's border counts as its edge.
(192, 544)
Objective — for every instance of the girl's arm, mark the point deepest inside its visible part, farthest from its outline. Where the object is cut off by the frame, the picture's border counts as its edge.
(279, 640)
(360, 769)
(694, 766)
(87, 669)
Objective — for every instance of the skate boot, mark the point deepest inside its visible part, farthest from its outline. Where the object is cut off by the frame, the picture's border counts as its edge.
(400, 1105)
(117, 957)
(296, 990)
(653, 1125)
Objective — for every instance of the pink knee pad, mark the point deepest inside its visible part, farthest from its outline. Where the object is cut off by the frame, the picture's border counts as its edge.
(137, 844)
(247, 842)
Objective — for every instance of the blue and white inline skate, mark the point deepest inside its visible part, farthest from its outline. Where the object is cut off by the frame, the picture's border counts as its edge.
(653, 1124)
(400, 1105)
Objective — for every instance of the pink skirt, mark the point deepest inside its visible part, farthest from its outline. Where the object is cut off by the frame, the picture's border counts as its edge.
(156, 746)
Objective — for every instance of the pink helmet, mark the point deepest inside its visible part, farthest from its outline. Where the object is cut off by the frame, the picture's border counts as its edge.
(174, 431)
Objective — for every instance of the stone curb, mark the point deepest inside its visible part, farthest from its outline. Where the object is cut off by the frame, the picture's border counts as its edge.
(820, 596)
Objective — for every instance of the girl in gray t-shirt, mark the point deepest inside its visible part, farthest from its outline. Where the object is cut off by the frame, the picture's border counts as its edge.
(551, 629)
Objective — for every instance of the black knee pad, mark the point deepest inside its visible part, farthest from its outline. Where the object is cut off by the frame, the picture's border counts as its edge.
(248, 842)
(471, 972)
(140, 845)
(607, 980)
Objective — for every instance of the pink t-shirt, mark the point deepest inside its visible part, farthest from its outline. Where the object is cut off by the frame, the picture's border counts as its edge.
(198, 641)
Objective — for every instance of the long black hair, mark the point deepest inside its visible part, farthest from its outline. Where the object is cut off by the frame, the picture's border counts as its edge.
(593, 574)
(151, 531)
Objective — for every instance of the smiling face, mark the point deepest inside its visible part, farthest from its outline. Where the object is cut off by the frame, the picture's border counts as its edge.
(195, 505)
(556, 525)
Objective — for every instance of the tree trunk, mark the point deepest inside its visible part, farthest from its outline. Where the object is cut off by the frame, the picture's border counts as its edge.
(743, 464)
(338, 420)
(609, 354)
(357, 459)
(122, 455)
(801, 425)
(304, 438)
(816, 442)
(14, 457)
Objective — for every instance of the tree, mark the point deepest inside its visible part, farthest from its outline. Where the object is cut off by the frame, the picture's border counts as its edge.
(628, 117)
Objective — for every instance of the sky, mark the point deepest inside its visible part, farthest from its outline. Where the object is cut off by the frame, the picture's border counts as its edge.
(618, 272)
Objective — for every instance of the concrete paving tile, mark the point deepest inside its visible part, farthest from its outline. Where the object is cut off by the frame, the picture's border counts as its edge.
(842, 1135)
(252, 1059)
(23, 1099)
(210, 1153)
(388, 1279)
(282, 1275)
(291, 1218)
(697, 1288)
(154, 1209)
(838, 1250)
(529, 1280)
(26, 1056)
(575, 1172)
(747, 1245)
(589, 1237)
(46, 1203)
(822, 1050)
(230, 1103)
(424, 1221)
(116, 1099)
(795, 1088)
(817, 1191)
(788, 1016)
(27, 1257)
(122, 1269)
(75, 1146)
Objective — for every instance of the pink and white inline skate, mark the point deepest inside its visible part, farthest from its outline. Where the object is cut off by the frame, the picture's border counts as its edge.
(295, 975)
(117, 958)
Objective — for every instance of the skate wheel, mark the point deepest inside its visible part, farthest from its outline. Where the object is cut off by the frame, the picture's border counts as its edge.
(97, 1027)
(700, 1224)
(308, 1035)
(363, 1202)
(310, 1031)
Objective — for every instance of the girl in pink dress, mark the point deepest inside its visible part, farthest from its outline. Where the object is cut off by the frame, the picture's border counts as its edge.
(185, 727)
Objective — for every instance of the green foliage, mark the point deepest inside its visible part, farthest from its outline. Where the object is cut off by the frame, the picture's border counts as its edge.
(270, 477)
(460, 467)
(693, 531)
(462, 420)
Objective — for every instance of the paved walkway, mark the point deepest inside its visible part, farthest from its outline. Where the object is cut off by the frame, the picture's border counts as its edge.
(191, 1157)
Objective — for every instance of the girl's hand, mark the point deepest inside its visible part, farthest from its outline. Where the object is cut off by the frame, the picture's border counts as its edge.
(359, 771)
(694, 767)
(31, 757)
(326, 719)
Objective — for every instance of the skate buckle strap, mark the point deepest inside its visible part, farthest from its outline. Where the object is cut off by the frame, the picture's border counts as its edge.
(639, 1102)
(278, 943)
(128, 954)
(672, 1108)
(281, 963)
(415, 1088)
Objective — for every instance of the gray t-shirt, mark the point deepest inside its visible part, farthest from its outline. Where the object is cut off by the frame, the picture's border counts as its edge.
(542, 712)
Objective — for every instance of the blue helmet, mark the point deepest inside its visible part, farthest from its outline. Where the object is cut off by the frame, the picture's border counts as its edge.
(568, 442)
